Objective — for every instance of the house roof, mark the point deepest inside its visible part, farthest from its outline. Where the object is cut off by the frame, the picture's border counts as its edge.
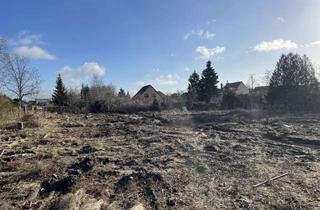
(261, 88)
(42, 100)
(161, 94)
(233, 84)
(144, 88)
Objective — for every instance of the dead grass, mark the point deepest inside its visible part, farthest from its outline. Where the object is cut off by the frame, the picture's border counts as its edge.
(8, 111)
(31, 121)
(161, 161)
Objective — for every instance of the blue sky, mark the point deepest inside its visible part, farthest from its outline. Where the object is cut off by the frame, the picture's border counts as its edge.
(132, 43)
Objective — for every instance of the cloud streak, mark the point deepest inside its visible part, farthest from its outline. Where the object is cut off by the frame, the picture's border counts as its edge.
(207, 53)
(27, 38)
(74, 77)
(168, 80)
(203, 34)
(281, 19)
(28, 45)
(277, 44)
(34, 52)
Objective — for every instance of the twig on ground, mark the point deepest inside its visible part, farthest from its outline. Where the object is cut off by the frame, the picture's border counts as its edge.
(2, 153)
(272, 179)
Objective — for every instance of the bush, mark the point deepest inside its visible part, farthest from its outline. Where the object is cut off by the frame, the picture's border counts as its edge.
(155, 106)
(8, 109)
(30, 121)
(230, 100)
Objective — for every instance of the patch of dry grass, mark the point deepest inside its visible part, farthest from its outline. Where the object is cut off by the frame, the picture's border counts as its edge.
(8, 110)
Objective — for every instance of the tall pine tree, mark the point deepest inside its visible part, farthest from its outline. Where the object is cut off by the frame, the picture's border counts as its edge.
(60, 96)
(122, 93)
(208, 84)
(193, 87)
(293, 85)
(193, 82)
(84, 92)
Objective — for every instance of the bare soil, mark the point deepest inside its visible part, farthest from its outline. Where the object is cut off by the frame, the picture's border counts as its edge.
(168, 160)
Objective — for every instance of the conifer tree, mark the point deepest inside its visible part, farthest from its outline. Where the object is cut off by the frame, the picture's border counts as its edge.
(60, 96)
(122, 93)
(193, 88)
(84, 92)
(293, 84)
(208, 84)
(193, 82)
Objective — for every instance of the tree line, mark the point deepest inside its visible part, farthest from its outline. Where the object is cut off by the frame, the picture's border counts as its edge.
(96, 97)
(292, 86)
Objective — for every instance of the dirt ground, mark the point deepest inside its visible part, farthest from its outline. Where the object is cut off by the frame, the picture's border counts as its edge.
(168, 160)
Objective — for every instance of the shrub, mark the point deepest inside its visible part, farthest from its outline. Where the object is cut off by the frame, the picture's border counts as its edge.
(155, 105)
(8, 109)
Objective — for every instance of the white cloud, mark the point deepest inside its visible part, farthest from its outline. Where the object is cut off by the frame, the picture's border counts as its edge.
(199, 33)
(315, 43)
(27, 45)
(211, 21)
(34, 52)
(311, 44)
(74, 77)
(140, 83)
(170, 79)
(281, 19)
(27, 38)
(278, 44)
(207, 53)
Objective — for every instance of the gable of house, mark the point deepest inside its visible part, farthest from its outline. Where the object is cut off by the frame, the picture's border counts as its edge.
(261, 91)
(238, 88)
(147, 94)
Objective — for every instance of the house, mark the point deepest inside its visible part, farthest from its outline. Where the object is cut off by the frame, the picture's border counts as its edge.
(147, 94)
(260, 91)
(42, 102)
(238, 88)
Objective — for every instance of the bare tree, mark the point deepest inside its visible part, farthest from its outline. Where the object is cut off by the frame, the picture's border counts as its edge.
(17, 77)
(97, 81)
(252, 82)
(2, 53)
(317, 72)
(266, 77)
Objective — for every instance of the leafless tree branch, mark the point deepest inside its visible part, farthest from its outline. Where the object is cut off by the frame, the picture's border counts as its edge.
(16, 77)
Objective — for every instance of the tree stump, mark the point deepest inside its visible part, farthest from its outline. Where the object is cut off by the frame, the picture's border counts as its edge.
(25, 109)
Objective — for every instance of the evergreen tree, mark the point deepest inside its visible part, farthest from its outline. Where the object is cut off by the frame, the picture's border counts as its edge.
(84, 92)
(208, 84)
(193, 87)
(122, 93)
(293, 85)
(193, 82)
(60, 96)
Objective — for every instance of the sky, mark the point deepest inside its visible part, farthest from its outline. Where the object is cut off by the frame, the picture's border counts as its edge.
(160, 42)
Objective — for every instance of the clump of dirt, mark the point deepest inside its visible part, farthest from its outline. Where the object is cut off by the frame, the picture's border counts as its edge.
(145, 184)
(83, 166)
(63, 185)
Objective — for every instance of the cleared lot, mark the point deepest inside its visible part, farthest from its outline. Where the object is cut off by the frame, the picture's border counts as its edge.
(208, 160)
